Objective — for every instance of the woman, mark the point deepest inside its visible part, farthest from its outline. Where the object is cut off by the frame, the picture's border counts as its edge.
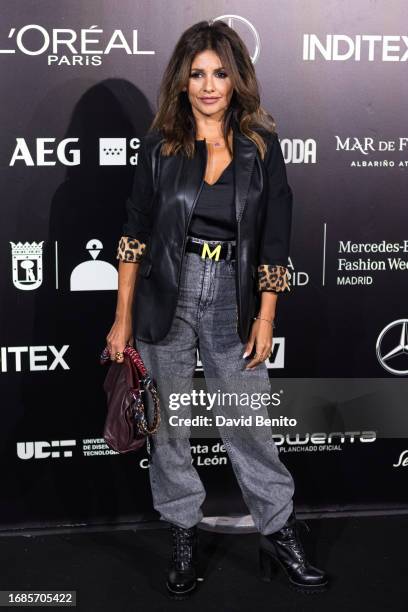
(202, 259)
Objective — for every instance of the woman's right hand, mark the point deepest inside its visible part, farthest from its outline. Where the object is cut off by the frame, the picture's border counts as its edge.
(120, 334)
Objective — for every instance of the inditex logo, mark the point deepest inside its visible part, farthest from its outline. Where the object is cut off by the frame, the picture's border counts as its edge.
(45, 450)
(67, 47)
(32, 358)
(357, 48)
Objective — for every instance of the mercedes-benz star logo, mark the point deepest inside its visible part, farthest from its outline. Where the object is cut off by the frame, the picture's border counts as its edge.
(396, 344)
(249, 33)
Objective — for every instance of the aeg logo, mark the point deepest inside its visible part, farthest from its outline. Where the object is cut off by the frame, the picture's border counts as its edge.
(46, 152)
(43, 152)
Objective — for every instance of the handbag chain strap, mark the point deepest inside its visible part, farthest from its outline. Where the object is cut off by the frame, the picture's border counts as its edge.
(147, 382)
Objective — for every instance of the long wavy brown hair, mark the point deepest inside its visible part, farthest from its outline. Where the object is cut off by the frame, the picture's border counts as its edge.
(175, 118)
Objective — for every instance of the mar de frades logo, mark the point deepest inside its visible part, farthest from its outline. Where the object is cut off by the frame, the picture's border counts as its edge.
(67, 47)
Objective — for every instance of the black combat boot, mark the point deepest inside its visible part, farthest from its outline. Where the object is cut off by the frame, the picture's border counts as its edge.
(284, 549)
(182, 576)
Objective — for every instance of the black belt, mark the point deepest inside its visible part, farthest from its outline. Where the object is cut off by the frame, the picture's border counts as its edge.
(211, 249)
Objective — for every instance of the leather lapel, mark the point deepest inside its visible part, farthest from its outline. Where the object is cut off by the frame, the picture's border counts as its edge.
(244, 152)
(193, 171)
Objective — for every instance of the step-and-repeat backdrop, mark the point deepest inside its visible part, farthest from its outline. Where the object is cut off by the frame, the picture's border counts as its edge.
(80, 80)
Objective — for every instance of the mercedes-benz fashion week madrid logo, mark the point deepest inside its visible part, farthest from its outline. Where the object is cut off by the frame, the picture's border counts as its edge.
(392, 347)
(27, 264)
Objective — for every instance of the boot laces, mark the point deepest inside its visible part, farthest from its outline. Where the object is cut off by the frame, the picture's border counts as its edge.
(292, 538)
(182, 544)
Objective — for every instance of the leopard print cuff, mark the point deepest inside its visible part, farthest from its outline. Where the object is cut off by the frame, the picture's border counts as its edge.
(130, 249)
(273, 278)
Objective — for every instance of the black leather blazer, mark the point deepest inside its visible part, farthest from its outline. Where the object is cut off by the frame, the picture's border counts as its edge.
(165, 190)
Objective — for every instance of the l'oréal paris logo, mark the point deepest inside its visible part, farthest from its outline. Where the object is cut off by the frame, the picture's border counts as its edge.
(67, 47)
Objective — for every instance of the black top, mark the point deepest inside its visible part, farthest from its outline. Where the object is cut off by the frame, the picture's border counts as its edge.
(273, 237)
(214, 213)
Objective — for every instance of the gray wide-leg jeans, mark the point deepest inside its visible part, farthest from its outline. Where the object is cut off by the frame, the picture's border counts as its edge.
(206, 318)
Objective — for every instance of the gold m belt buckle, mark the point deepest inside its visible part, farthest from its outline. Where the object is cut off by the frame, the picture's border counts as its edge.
(206, 252)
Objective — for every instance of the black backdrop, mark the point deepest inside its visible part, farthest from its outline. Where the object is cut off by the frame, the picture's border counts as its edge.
(334, 77)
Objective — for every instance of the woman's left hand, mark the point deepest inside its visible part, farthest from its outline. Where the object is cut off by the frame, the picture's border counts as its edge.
(261, 335)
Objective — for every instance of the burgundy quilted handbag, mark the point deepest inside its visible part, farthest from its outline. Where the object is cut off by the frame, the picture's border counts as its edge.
(126, 427)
